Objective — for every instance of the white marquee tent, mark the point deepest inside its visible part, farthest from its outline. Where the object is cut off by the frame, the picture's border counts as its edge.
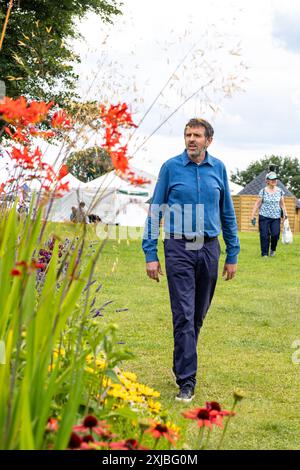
(129, 201)
(234, 188)
(114, 200)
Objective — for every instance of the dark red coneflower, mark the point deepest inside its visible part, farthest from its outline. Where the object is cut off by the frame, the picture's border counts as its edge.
(159, 430)
(215, 406)
(201, 415)
(90, 421)
(75, 441)
(88, 438)
(128, 444)
(91, 424)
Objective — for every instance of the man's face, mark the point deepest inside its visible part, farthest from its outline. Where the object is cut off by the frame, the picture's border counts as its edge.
(195, 141)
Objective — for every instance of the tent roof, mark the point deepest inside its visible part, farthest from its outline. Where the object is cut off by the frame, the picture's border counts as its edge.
(234, 188)
(112, 181)
(74, 182)
(259, 183)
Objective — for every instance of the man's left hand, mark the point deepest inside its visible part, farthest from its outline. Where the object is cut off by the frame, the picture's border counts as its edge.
(229, 271)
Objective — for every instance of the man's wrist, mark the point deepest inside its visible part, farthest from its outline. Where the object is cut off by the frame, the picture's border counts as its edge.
(150, 257)
(231, 260)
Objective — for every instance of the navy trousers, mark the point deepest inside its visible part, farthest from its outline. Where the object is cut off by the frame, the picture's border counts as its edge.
(192, 277)
(269, 231)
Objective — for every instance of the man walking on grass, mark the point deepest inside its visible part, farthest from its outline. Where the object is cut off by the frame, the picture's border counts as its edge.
(192, 195)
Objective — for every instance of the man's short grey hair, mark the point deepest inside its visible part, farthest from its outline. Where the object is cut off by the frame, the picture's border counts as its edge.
(196, 122)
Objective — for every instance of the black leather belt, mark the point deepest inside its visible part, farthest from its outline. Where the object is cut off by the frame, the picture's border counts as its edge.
(206, 239)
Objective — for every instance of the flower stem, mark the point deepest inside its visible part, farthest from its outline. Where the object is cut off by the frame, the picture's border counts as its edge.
(155, 443)
(201, 431)
(5, 23)
(226, 424)
(141, 436)
(207, 440)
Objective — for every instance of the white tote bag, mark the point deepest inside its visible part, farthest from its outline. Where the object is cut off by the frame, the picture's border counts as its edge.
(287, 234)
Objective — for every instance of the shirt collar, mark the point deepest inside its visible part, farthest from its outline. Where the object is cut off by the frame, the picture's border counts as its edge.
(186, 160)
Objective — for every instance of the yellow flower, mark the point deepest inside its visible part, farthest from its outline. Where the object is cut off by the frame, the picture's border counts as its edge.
(154, 406)
(106, 382)
(57, 352)
(101, 363)
(89, 358)
(147, 391)
(90, 370)
(173, 426)
(130, 376)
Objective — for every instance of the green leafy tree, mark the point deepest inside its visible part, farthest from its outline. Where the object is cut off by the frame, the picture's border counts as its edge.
(37, 59)
(287, 169)
(90, 163)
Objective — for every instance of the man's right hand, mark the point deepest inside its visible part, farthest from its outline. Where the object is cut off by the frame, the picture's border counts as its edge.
(154, 270)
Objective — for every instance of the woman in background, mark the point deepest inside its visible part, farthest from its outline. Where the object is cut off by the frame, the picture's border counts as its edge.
(271, 207)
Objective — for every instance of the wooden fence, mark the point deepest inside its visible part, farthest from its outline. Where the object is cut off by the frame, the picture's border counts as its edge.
(243, 206)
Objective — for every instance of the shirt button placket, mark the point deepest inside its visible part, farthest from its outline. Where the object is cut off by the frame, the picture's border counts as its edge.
(198, 183)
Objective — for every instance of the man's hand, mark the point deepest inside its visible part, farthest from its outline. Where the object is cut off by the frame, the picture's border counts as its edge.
(153, 270)
(229, 271)
(253, 221)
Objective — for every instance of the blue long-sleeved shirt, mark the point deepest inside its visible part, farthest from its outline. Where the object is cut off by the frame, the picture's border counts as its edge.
(194, 200)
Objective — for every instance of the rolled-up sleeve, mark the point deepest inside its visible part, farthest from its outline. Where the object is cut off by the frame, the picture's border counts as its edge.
(159, 199)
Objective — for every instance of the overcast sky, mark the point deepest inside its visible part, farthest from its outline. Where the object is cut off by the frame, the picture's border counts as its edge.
(249, 48)
(255, 43)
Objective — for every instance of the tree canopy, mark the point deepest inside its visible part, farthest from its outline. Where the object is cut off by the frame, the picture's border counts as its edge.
(37, 59)
(89, 163)
(287, 169)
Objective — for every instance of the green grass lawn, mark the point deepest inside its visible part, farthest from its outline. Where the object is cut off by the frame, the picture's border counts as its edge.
(246, 340)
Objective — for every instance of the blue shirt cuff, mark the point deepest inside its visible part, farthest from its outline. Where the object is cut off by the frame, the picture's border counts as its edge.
(151, 257)
(231, 260)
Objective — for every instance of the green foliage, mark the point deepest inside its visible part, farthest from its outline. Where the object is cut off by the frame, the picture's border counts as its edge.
(89, 163)
(62, 361)
(246, 341)
(37, 60)
(287, 169)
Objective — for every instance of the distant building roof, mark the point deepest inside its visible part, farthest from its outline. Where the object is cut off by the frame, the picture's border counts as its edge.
(259, 183)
